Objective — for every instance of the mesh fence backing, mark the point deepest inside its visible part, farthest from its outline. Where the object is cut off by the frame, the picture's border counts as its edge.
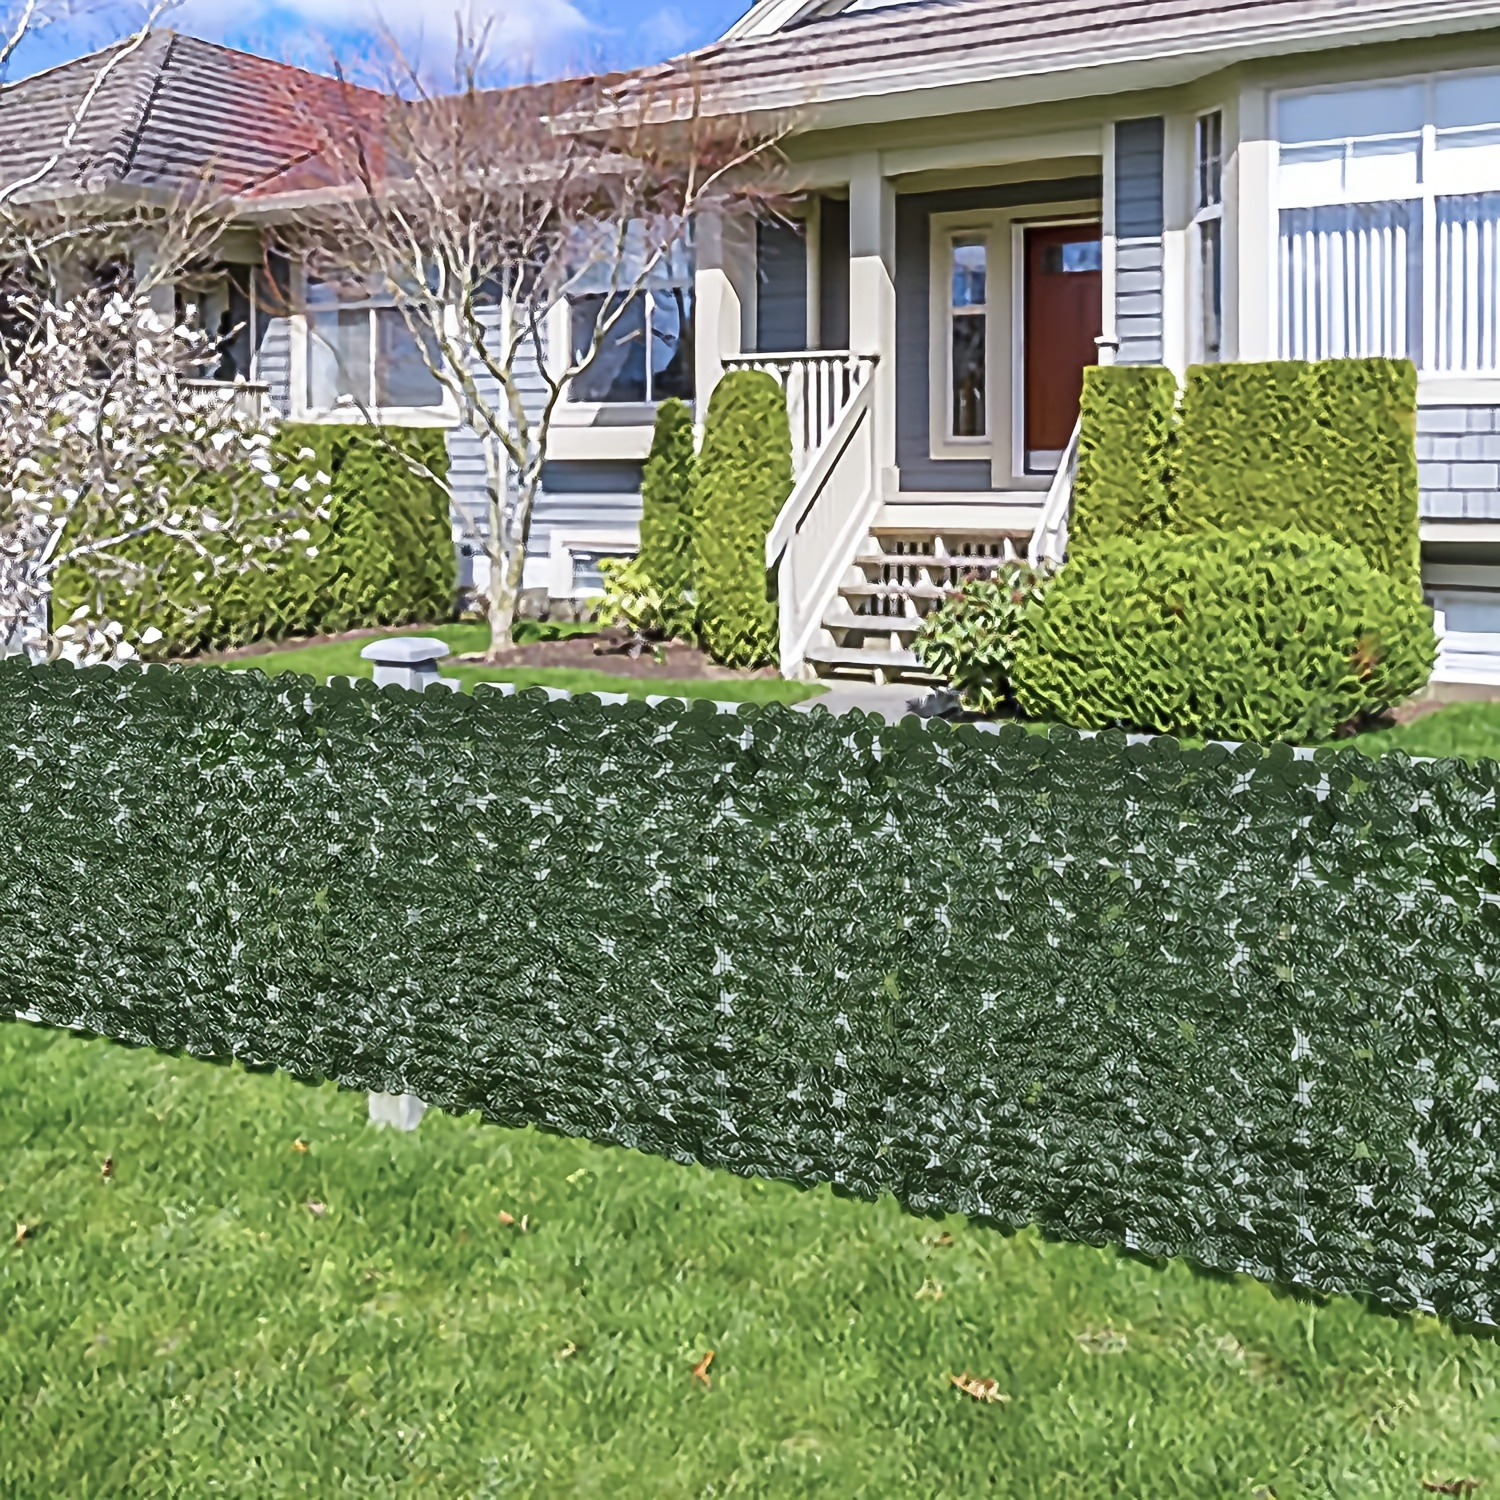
(1231, 1005)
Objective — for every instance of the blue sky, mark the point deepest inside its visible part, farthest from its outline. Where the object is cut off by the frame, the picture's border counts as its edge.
(536, 36)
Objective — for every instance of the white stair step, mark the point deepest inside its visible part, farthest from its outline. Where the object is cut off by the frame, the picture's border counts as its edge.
(852, 656)
(868, 590)
(836, 619)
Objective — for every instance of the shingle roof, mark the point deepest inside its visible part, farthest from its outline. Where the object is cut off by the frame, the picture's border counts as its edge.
(169, 113)
(927, 42)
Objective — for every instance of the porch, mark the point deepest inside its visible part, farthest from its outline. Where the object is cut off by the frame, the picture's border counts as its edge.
(931, 339)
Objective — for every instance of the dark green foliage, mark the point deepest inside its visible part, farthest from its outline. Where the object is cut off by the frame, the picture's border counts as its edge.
(744, 477)
(1226, 1004)
(1121, 485)
(970, 639)
(1328, 448)
(384, 556)
(667, 517)
(1237, 635)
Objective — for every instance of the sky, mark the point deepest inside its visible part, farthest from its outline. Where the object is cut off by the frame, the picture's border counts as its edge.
(534, 37)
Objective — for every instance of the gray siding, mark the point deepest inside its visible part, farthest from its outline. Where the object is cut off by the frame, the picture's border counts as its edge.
(1139, 224)
(833, 274)
(919, 470)
(781, 303)
(1458, 460)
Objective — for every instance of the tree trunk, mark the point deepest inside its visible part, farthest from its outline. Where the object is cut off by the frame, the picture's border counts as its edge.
(507, 552)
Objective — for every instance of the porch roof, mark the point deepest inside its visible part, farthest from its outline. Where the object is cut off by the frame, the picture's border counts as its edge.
(820, 58)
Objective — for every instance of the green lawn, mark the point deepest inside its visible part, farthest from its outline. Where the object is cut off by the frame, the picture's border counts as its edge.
(342, 659)
(192, 1327)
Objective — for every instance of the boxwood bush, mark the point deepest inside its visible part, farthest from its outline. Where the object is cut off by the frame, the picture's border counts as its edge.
(744, 477)
(1234, 635)
(1121, 487)
(384, 555)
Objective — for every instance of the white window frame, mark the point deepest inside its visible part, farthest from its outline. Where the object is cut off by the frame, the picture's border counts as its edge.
(445, 413)
(1480, 384)
(1206, 212)
(1005, 342)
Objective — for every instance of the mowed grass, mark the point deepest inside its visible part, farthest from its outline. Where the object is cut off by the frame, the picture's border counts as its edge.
(232, 1314)
(342, 659)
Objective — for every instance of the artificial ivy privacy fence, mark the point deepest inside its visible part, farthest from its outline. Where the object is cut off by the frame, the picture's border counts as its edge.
(1238, 1006)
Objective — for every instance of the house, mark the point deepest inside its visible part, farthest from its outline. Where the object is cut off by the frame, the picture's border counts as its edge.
(997, 194)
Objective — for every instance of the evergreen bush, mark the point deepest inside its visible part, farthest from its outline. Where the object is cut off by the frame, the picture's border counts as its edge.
(383, 556)
(1327, 448)
(1121, 486)
(744, 476)
(667, 518)
(1234, 635)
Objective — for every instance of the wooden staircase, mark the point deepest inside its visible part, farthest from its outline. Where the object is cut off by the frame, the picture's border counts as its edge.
(895, 580)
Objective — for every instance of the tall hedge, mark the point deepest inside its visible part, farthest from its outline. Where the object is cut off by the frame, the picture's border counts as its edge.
(384, 555)
(744, 477)
(1232, 1005)
(667, 517)
(1121, 486)
(1223, 634)
(1326, 447)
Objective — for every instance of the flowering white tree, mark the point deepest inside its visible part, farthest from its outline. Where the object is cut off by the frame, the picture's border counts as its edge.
(104, 442)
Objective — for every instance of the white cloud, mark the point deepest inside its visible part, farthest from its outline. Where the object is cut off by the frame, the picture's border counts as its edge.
(526, 36)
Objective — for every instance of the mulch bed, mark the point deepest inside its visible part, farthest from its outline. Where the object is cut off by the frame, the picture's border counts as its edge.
(606, 652)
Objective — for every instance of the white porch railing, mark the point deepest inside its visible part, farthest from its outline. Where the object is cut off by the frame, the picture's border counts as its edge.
(819, 386)
(1049, 542)
(835, 497)
(250, 398)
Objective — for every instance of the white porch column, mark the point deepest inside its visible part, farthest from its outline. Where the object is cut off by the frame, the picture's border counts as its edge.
(872, 298)
(1179, 307)
(725, 288)
(1250, 234)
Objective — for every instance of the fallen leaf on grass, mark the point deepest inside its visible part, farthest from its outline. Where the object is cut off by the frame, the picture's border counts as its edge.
(700, 1370)
(567, 1351)
(316, 1209)
(24, 1232)
(107, 1171)
(930, 1291)
(1450, 1486)
(939, 1241)
(509, 1221)
(301, 1147)
(1101, 1341)
(980, 1388)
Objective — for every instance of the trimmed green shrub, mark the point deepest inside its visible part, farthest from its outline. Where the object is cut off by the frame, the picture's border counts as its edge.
(1235, 635)
(969, 640)
(384, 555)
(1121, 486)
(1326, 448)
(1231, 1005)
(667, 517)
(744, 477)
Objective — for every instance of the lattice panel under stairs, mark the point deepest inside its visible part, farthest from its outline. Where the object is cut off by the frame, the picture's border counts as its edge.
(895, 581)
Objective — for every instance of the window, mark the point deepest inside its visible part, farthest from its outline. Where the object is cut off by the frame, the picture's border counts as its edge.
(969, 326)
(647, 354)
(1208, 230)
(1389, 198)
(362, 352)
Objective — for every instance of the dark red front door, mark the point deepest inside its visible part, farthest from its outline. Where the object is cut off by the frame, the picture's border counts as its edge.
(1064, 315)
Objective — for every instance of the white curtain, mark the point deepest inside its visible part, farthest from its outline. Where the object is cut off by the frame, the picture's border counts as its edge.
(1468, 291)
(1351, 281)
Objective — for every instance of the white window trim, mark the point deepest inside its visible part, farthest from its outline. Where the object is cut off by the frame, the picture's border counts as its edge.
(564, 545)
(1435, 387)
(558, 333)
(1205, 213)
(1005, 336)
